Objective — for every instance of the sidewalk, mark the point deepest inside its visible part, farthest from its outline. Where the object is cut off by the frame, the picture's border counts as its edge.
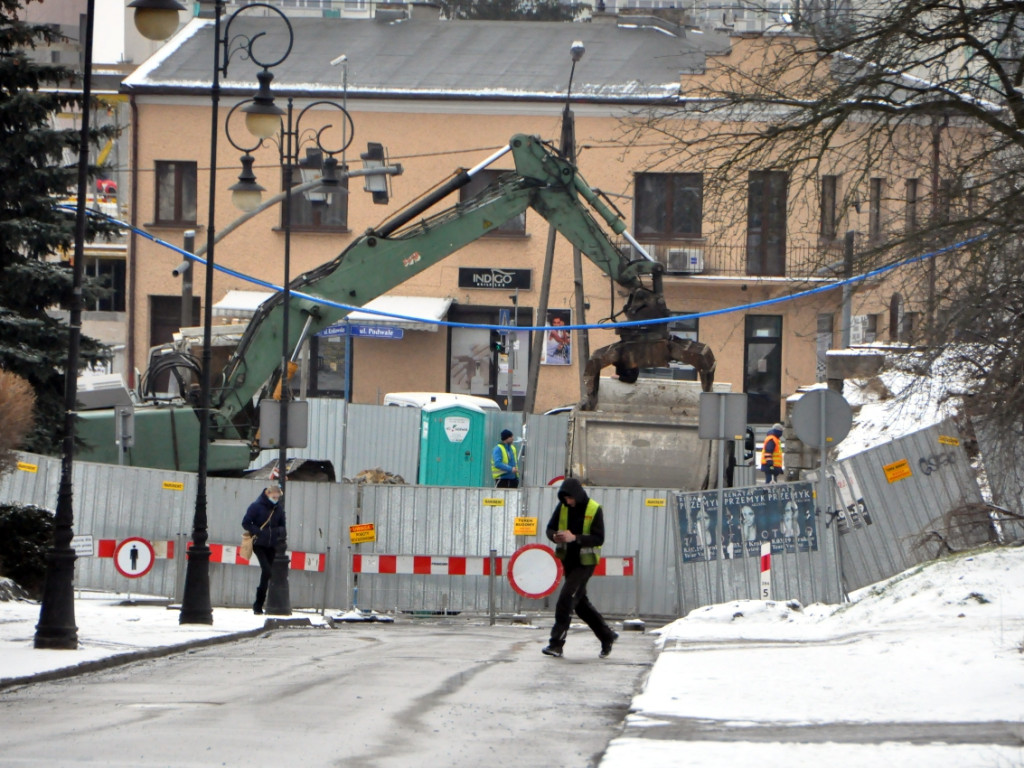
(112, 630)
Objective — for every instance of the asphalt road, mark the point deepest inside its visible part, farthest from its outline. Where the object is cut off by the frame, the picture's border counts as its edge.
(414, 693)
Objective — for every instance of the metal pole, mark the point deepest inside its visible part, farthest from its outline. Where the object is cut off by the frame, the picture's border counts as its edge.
(195, 601)
(278, 598)
(56, 628)
(189, 243)
(490, 587)
(847, 289)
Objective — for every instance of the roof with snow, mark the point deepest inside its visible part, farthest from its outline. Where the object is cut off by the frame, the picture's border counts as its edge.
(625, 62)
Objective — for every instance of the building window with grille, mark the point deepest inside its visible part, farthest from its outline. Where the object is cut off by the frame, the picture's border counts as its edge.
(767, 193)
(669, 206)
(175, 193)
(477, 184)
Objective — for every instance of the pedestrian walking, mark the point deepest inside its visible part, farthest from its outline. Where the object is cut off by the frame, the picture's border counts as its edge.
(265, 521)
(577, 528)
(771, 454)
(505, 462)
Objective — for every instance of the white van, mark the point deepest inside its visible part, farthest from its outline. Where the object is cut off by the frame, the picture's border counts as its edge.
(438, 399)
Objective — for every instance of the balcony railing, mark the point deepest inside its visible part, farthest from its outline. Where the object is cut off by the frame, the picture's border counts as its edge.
(702, 258)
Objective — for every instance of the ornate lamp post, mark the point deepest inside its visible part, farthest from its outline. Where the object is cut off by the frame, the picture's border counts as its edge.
(157, 19)
(56, 628)
(319, 160)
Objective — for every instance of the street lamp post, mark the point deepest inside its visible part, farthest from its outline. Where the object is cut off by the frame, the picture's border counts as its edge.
(290, 142)
(56, 628)
(157, 20)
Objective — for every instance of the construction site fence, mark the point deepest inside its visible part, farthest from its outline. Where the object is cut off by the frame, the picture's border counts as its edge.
(667, 552)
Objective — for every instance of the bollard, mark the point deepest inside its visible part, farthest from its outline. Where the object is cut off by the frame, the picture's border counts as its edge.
(491, 586)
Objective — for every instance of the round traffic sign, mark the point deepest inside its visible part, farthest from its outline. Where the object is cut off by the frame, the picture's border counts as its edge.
(534, 571)
(133, 557)
(822, 417)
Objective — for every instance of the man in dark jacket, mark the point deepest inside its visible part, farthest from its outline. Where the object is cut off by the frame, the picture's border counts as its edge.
(265, 521)
(577, 528)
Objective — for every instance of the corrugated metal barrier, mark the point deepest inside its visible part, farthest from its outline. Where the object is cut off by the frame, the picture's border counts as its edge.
(682, 553)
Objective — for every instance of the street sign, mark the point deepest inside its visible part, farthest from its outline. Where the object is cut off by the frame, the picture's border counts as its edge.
(822, 417)
(716, 425)
(82, 544)
(504, 317)
(365, 331)
(534, 571)
(133, 557)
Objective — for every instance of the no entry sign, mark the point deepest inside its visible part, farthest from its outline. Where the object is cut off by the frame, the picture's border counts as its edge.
(534, 571)
(134, 557)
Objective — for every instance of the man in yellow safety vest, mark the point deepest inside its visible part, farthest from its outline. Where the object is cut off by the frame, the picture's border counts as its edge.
(505, 462)
(577, 528)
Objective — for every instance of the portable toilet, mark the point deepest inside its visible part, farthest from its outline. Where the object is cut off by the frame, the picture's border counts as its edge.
(453, 444)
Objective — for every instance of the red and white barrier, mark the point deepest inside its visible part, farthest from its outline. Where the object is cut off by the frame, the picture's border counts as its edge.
(227, 554)
(425, 565)
(162, 550)
(443, 565)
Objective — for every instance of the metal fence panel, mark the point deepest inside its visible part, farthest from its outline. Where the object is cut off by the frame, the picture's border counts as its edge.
(895, 499)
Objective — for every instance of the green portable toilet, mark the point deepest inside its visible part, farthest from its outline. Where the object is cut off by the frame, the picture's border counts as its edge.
(453, 445)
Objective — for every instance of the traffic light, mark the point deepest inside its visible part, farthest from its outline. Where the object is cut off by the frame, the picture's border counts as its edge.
(748, 445)
(497, 342)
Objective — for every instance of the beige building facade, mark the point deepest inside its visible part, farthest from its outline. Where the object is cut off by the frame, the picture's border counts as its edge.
(729, 284)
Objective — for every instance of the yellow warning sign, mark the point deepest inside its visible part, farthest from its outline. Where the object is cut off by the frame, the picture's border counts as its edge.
(360, 534)
(24, 466)
(898, 470)
(525, 526)
(654, 502)
(493, 502)
(949, 440)
(172, 485)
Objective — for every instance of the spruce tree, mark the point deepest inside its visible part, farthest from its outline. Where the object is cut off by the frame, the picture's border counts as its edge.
(36, 238)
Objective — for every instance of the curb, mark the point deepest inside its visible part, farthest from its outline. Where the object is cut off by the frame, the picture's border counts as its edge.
(120, 659)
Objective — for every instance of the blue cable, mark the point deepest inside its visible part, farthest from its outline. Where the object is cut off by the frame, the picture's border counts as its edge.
(587, 326)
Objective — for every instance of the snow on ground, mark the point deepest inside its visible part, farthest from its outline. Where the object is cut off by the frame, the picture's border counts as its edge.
(939, 645)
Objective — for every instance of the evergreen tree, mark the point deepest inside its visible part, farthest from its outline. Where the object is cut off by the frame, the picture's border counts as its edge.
(34, 235)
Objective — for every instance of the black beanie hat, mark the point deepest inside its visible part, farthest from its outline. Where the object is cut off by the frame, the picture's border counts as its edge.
(506, 434)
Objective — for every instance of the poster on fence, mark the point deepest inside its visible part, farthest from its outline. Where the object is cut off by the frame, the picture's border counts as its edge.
(782, 514)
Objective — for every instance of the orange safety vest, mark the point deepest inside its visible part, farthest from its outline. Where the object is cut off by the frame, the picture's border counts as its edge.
(773, 451)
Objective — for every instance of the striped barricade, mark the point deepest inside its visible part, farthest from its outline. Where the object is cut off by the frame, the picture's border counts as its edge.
(455, 565)
(162, 550)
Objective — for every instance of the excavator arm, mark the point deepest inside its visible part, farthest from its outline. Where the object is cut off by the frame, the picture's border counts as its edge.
(406, 245)
(401, 248)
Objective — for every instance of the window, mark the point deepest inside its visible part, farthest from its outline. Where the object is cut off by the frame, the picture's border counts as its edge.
(875, 191)
(766, 222)
(327, 366)
(110, 274)
(829, 219)
(320, 210)
(175, 193)
(679, 329)
(863, 329)
(911, 211)
(762, 368)
(669, 205)
(483, 179)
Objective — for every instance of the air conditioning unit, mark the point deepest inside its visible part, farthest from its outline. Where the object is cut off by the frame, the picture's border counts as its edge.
(686, 260)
